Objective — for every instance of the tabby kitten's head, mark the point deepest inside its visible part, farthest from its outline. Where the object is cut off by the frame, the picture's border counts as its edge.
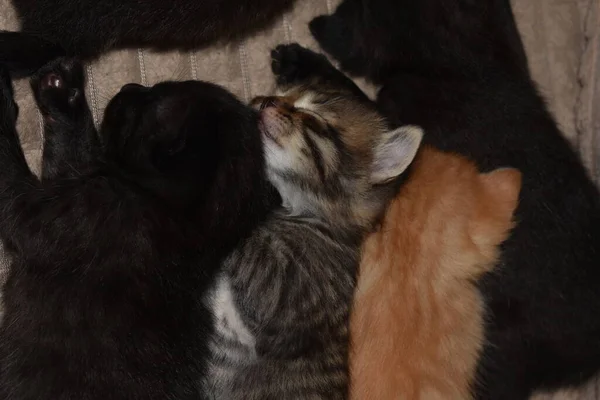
(331, 155)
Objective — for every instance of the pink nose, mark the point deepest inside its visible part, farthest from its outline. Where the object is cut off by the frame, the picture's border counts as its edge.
(273, 122)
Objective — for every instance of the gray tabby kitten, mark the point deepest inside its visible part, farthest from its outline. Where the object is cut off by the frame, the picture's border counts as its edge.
(283, 302)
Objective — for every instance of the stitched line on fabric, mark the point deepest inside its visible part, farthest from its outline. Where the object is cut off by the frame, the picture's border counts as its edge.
(92, 91)
(142, 65)
(194, 66)
(40, 126)
(593, 39)
(582, 107)
(244, 69)
(551, 90)
(287, 29)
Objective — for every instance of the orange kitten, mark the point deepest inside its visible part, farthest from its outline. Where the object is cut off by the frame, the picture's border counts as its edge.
(417, 324)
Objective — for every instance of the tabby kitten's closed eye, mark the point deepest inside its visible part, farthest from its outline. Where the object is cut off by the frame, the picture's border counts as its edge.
(417, 321)
(283, 302)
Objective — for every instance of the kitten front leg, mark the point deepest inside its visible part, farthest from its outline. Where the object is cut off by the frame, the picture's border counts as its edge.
(70, 139)
(295, 65)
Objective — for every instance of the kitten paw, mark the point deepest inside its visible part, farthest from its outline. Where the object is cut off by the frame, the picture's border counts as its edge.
(292, 63)
(59, 87)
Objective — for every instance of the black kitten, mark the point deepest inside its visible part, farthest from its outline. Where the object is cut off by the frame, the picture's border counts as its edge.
(458, 68)
(115, 247)
(86, 28)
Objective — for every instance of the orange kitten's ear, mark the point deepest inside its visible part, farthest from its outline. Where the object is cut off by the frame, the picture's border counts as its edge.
(502, 187)
(495, 204)
(394, 152)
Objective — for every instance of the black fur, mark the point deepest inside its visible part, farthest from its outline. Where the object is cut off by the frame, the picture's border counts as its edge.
(458, 68)
(115, 247)
(87, 28)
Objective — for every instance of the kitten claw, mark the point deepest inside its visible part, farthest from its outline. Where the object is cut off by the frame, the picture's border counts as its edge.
(52, 80)
(58, 87)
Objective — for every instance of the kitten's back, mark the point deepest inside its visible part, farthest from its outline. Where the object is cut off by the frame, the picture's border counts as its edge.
(417, 324)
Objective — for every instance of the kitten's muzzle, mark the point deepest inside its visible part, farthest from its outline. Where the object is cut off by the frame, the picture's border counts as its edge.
(275, 116)
(129, 87)
(275, 123)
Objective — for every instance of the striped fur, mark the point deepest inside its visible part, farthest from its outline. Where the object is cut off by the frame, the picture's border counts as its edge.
(283, 301)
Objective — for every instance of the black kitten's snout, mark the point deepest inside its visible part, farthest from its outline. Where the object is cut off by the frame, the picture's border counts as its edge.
(132, 86)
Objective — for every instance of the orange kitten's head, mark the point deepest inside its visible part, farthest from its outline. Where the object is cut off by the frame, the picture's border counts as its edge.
(469, 214)
(449, 213)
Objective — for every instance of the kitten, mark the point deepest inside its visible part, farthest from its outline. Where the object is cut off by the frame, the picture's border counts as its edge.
(283, 301)
(88, 28)
(458, 68)
(417, 321)
(116, 247)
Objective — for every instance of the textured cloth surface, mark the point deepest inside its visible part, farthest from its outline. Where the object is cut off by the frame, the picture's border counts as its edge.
(562, 39)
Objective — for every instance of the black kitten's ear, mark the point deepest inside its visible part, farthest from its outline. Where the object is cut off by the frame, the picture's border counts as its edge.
(177, 146)
(23, 54)
(167, 154)
(333, 35)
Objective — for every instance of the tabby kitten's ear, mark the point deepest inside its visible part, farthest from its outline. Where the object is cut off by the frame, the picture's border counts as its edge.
(394, 152)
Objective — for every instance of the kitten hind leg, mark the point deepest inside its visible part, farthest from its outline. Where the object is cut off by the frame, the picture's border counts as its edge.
(70, 138)
(17, 183)
(23, 54)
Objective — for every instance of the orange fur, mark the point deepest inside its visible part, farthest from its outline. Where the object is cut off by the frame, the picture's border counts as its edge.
(417, 323)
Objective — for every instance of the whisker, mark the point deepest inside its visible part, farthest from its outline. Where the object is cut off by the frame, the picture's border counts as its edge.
(180, 73)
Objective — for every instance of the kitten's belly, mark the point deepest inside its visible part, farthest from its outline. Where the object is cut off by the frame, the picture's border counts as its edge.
(232, 346)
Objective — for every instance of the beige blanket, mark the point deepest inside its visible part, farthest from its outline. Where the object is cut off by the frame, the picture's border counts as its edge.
(562, 38)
